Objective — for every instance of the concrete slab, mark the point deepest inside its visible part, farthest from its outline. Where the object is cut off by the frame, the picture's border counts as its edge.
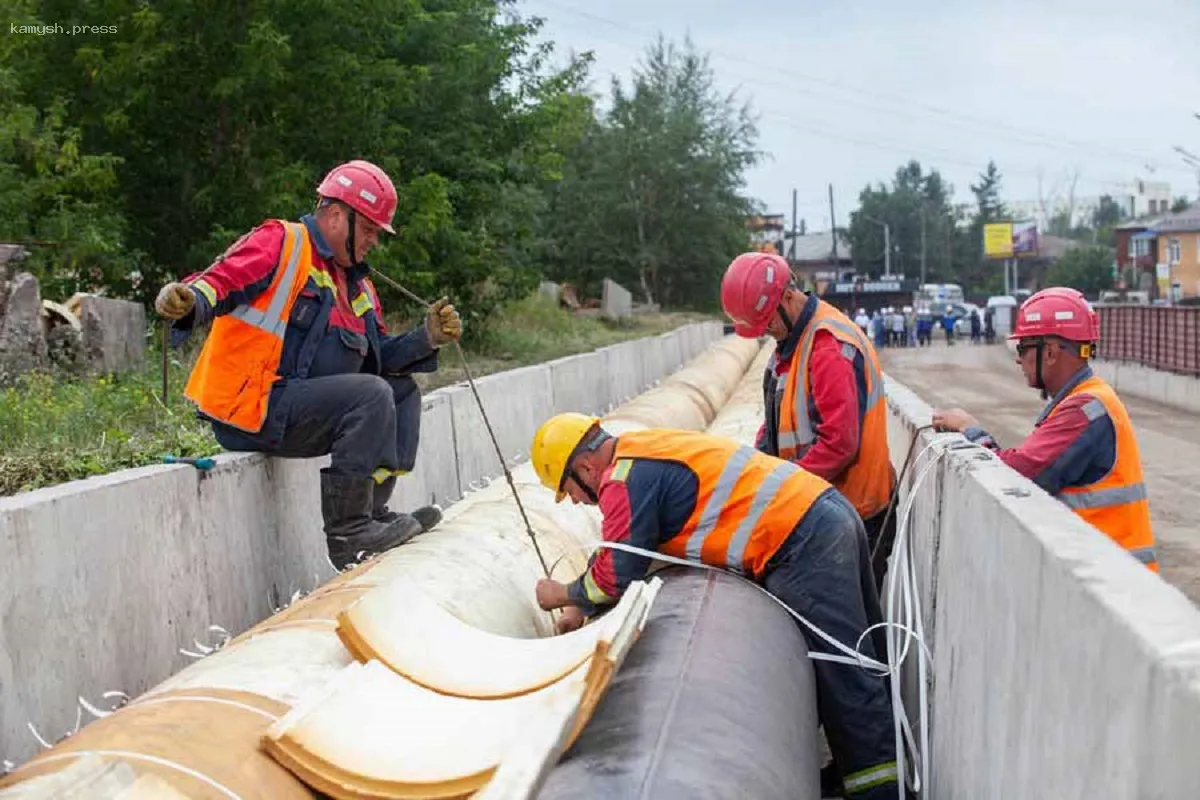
(22, 345)
(651, 369)
(581, 383)
(672, 352)
(616, 302)
(105, 579)
(114, 334)
(1177, 391)
(1062, 667)
(517, 403)
(550, 290)
(434, 479)
(624, 369)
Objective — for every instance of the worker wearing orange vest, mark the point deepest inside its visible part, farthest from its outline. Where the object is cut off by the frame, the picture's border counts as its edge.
(823, 388)
(1082, 449)
(299, 363)
(706, 499)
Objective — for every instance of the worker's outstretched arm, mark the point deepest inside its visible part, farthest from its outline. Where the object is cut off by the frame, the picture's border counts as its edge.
(838, 385)
(240, 275)
(405, 353)
(1064, 450)
(610, 572)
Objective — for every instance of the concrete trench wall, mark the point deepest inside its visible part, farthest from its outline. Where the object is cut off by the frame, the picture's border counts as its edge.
(1177, 391)
(102, 581)
(1062, 667)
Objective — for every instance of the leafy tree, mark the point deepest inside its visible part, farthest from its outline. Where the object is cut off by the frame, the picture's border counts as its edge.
(1107, 216)
(1182, 203)
(915, 200)
(218, 116)
(974, 272)
(1088, 269)
(652, 195)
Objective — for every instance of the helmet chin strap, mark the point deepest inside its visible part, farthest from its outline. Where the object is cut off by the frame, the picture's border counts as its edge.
(1039, 383)
(351, 250)
(783, 315)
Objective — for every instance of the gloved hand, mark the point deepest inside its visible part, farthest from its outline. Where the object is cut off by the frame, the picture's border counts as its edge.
(443, 323)
(175, 300)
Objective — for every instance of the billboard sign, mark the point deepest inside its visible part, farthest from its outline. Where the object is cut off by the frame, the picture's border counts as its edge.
(1025, 239)
(1010, 240)
(997, 240)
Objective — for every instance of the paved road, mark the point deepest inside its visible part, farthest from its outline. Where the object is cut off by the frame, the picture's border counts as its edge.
(986, 382)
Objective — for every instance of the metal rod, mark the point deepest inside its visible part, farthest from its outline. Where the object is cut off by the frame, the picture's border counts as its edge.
(487, 423)
(166, 345)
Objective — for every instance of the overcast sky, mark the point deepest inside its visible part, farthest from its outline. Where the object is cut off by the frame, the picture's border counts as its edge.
(847, 90)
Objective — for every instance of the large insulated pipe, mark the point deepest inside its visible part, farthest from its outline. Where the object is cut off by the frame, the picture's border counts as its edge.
(200, 730)
(717, 700)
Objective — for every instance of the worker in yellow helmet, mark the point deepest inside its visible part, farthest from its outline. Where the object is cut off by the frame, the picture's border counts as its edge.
(707, 499)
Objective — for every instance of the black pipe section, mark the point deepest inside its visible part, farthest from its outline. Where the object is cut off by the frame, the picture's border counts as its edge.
(716, 701)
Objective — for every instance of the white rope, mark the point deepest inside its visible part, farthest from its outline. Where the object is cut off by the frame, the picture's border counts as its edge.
(159, 701)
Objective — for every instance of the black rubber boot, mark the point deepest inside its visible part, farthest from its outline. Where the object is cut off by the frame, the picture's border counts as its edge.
(350, 533)
(426, 516)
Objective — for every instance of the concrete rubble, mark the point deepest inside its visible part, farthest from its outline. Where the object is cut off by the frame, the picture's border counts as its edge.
(88, 332)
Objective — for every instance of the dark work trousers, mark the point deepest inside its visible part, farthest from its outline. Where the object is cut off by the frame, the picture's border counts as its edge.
(364, 421)
(823, 572)
(880, 538)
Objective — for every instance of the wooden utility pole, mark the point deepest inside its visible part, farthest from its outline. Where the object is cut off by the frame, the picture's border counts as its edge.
(922, 243)
(794, 231)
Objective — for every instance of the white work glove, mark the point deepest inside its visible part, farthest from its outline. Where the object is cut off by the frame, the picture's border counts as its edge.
(175, 300)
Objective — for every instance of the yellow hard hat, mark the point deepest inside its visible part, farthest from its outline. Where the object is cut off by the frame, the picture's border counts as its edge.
(553, 445)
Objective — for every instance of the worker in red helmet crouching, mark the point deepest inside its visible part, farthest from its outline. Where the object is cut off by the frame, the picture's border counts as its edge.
(1083, 449)
(299, 363)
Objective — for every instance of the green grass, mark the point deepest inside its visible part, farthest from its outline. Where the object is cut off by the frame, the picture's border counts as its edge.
(56, 427)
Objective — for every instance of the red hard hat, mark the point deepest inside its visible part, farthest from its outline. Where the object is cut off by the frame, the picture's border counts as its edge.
(751, 290)
(365, 188)
(1057, 311)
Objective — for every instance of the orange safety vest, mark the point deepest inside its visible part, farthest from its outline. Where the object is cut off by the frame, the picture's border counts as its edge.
(748, 502)
(1116, 504)
(867, 481)
(232, 379)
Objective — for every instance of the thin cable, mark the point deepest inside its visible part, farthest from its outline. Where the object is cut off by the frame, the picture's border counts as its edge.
(487, 422)
(892, 104)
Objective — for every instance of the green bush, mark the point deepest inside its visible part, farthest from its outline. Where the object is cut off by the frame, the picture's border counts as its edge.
(57, 427)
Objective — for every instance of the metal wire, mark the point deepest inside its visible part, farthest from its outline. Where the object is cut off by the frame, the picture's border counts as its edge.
(487, 423)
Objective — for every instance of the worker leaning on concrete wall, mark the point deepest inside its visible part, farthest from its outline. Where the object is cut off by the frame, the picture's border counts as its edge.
(709, 500)
(823, 387)
(1083, 449)
(299, 362)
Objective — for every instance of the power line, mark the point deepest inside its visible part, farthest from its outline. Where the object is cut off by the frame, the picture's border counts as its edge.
(909, 107)
(924, 152)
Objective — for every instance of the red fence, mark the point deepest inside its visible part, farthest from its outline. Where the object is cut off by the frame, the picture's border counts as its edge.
(1162, 337)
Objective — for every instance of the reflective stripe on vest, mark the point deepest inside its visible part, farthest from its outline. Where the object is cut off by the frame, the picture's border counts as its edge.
(232, 378)
(868, 478)
(802, 436)
(273, 319)
(1117, 504)
(747, 504)
(1102, 498)
(735, 555)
